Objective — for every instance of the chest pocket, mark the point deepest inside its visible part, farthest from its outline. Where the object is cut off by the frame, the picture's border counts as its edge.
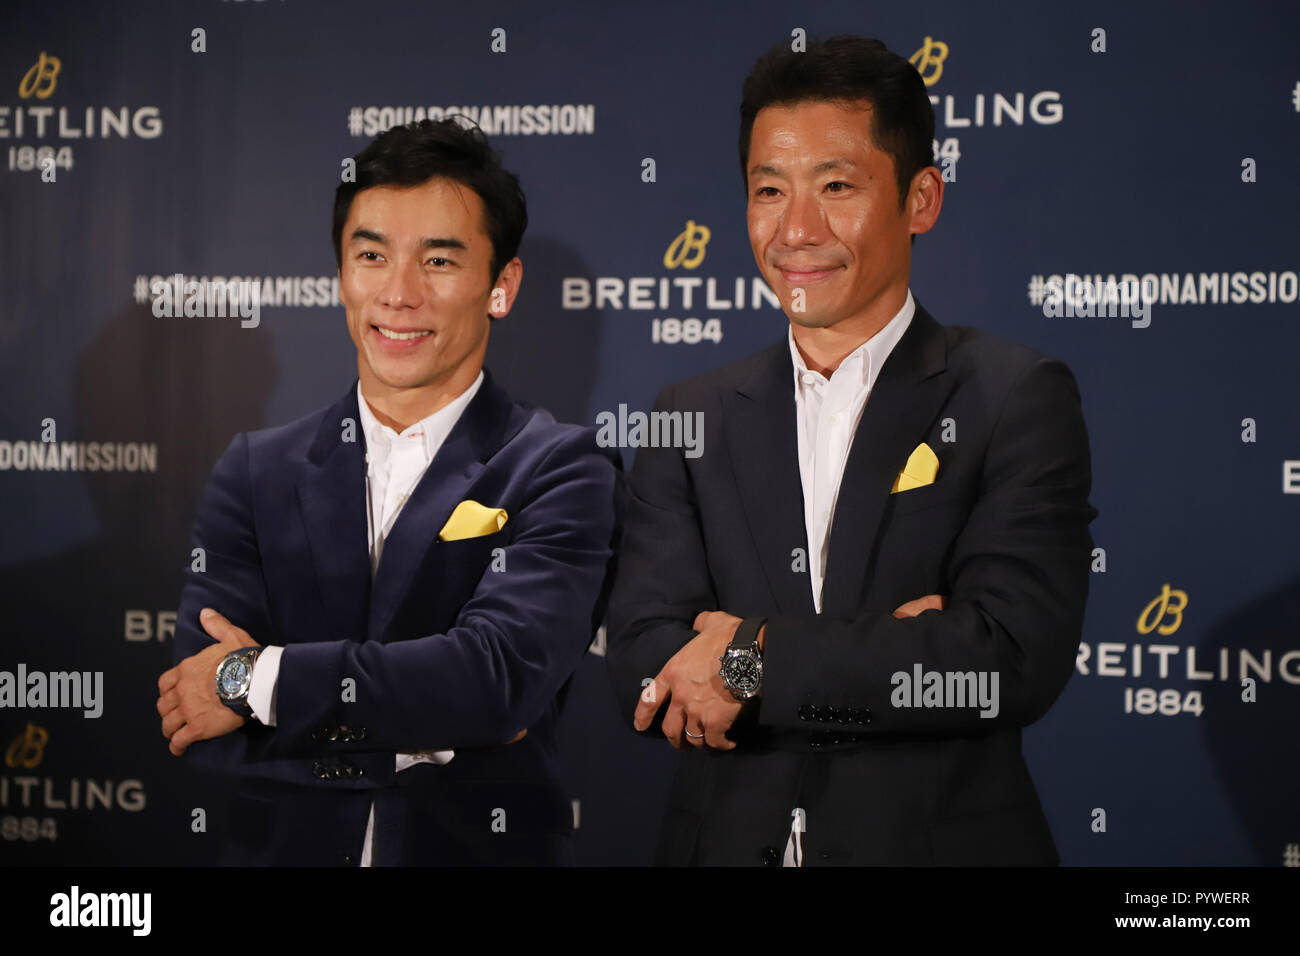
(918, 532)
(446, 580)
(462, 562)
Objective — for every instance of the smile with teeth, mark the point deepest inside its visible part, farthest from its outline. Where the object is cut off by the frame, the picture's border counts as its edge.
(400, 336)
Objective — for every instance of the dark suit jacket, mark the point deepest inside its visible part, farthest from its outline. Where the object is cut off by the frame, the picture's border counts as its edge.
(1002, 532)
(445, 650)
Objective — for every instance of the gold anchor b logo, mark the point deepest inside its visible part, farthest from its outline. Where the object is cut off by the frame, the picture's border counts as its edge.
(931, 54)
(28, 747)
(1161, 607)
(39, 81)
(687, 250)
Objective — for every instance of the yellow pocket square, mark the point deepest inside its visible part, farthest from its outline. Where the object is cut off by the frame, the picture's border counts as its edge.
(471, 520)
(920, 470)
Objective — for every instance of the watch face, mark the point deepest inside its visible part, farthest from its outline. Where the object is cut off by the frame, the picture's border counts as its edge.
(233, 677)
(742, 673)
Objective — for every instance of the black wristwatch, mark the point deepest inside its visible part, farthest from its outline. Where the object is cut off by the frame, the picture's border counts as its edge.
(742, 664)
(234, 677)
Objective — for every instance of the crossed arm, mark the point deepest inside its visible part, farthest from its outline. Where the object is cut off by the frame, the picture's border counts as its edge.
(514, 643)
(1019, 582)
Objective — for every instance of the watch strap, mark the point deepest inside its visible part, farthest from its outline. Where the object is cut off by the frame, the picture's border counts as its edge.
(747, 633)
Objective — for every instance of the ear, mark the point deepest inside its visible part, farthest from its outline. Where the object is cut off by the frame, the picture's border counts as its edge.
(924, 200)
(501, 298)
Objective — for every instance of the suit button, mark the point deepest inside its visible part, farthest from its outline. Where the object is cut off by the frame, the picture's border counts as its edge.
(866, 715)
(770, 856)
(347, 861)
(333, 734)
(335, 773)
(815, 743)
(320, 733)
(835, 715)
(318, 770)
(360, 733)
(806, 712)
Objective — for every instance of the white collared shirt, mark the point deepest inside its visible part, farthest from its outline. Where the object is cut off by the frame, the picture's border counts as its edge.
(828, 412)
(394, 466)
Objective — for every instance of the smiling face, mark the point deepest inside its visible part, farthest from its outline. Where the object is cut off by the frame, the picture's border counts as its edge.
(824, 216)
(416, 287)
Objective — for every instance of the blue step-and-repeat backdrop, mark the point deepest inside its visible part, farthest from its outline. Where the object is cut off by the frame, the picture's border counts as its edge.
(1155, 145)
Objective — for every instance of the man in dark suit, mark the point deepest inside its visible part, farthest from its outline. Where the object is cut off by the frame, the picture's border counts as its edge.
(400, 585)
(845, 614)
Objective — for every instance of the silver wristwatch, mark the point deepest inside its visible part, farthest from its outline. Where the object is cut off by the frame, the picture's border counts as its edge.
(742, 664)
(234, 677)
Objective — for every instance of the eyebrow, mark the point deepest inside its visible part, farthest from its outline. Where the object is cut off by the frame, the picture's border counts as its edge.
(838, 162)
(429, 242)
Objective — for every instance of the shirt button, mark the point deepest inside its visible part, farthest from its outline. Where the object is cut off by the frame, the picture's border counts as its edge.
(833, 419)
(809, 378)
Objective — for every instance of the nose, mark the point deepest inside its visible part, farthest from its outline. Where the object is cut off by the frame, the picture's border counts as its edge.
(803, 222)
(402, 287)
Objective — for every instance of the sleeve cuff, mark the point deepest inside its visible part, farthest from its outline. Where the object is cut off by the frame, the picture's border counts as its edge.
(266, 678)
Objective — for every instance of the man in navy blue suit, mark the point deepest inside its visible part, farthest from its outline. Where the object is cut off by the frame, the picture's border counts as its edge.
(395, 590)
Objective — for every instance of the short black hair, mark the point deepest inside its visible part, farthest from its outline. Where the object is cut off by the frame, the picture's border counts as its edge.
(417, 152)
(847, 68)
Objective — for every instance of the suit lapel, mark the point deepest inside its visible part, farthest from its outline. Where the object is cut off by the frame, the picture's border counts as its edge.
(332, 501)
(478, 434)
(908, 393)
(763, 442)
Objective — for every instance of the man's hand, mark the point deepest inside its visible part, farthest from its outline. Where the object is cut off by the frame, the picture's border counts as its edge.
(699, 702)
(689, 682)
(931, 602)
(187, 694)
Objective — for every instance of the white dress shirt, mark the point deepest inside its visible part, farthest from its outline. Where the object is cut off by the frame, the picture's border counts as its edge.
(394, 466)
(828, 411)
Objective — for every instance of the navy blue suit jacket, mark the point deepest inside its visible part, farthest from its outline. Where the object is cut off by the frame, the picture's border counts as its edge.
(1002, 532)
(454, 645)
